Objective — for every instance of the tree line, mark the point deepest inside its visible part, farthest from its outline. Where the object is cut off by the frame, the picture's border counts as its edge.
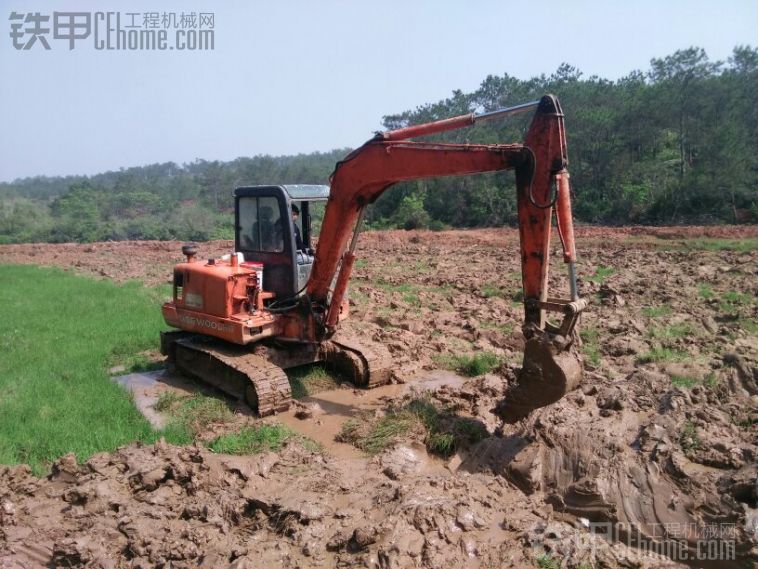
(675, 144)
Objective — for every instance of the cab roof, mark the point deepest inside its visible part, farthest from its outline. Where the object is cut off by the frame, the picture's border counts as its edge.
(294, 191)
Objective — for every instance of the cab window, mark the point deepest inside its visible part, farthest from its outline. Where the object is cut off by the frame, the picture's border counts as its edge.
(261, 227)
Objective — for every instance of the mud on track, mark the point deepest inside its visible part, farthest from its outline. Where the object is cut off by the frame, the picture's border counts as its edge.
(661, 437)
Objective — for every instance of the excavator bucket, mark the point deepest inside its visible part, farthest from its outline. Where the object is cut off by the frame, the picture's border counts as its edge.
(546, 376)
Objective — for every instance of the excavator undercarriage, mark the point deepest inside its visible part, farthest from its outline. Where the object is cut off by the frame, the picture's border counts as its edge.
(275, 304)
(256, 374)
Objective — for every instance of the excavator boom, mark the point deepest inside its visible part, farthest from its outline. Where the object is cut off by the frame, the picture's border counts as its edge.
(551, 366)
(240, 329)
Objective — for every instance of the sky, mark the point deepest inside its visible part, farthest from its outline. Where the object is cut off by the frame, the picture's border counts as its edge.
(298, 76)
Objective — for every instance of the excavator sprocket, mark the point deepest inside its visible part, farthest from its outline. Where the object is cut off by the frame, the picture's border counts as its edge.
(548, 373)
(235, 370)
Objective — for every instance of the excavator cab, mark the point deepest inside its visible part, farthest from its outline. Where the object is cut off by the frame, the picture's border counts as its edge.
(265, 233)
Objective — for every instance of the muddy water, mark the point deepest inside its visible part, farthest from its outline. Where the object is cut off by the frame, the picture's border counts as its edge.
(331, 409)
(146, 388)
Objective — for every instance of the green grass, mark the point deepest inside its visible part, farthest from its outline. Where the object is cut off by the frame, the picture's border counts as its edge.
(506, 329)
(192, 415)
(59, 335)
(711, 380)
(421, 267)
(660, 354)
(656, 311)
(546, 561)
(591, 345)
(731, 301)
(688, 438)
(411, 298)
(258, 438)
(401, 288)
(749, 325)
(490, 290)
(443, 430)
(681, 330)
(705, 291)
(472, 366)
(601, 273)
(712, 244)
(309, 379)
(683, 381)
(374, 438)
(167, 401)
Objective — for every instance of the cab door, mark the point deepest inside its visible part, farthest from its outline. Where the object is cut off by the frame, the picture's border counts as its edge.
(264, 234)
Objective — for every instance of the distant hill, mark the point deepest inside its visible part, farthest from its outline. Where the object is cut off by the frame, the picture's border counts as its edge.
(677, 143)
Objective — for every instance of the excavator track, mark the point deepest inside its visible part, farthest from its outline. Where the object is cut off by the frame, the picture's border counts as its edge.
(234, 370)
(256, 375)
(365, 364)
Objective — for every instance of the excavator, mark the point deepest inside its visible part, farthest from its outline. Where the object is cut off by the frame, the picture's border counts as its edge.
(273, 303)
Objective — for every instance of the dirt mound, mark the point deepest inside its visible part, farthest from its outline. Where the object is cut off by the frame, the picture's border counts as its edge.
(660, 441)
(184, 507)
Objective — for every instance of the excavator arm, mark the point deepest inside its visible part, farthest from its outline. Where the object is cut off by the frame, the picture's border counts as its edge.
(542, 187)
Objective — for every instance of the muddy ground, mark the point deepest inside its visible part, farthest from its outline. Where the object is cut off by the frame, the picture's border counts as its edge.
(659, 443)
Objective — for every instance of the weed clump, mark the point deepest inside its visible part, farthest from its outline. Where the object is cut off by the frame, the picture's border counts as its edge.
(688, 438)
(442, 429)
(656, 311)
(309, 379)
(472, 366)
(256, 439)
(660, 354)
(193, 414)
(601, 273)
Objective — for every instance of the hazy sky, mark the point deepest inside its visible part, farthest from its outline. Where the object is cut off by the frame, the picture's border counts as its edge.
(292, 76)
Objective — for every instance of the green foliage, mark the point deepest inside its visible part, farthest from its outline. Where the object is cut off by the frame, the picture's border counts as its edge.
(59, 335)
(705, 291)
(672, 331)
(195, 413)
(676, 144)
(472, 366)
(656, 311)
(711, 380)
(260, 438)
(547, 561)
(683, 380)
(443, 430)
(601, 273)
(660, 354)
(688, 437)
(309, 379)
(489, 290)
(745, 245)
(591, 345)
(731, 301)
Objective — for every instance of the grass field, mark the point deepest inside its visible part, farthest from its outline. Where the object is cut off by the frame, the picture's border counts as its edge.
(59, 334)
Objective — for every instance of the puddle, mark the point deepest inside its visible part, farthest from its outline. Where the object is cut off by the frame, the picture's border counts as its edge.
(336, 406)
(339, 405)
(146, 387)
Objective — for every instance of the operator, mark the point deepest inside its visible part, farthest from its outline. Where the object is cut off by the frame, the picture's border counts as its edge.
(298, 239)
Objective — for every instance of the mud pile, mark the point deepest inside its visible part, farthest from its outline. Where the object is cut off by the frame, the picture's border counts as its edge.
(185, 507)
(660, 441)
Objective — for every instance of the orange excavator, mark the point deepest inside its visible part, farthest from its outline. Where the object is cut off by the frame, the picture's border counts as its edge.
(274, 303)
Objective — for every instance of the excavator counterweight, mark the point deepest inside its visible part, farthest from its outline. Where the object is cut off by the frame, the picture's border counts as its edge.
(284, 302)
